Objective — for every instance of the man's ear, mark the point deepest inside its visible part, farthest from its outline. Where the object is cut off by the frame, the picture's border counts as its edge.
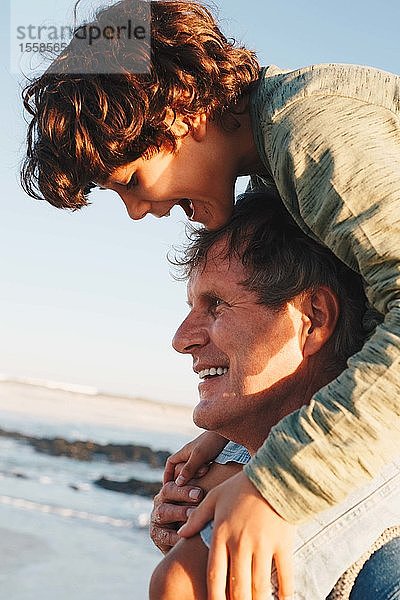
(321, 312)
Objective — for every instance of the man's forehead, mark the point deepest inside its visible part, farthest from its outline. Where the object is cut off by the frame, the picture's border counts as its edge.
(215, 273)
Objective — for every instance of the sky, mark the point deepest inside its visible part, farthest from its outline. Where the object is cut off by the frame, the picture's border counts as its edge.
(88, 297)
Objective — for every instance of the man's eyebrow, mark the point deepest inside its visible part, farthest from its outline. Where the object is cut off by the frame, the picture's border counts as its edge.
(206, 294)
(212, 294)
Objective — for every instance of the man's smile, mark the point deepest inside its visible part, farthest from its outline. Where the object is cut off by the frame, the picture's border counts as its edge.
(212, 372)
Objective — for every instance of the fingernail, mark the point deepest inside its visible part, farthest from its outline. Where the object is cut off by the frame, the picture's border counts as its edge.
(194, 494)
(180, 529)
(189, 511)
(180, 480)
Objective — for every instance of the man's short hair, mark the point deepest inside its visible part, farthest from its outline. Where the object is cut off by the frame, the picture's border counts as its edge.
(281, 262)
(85, 126)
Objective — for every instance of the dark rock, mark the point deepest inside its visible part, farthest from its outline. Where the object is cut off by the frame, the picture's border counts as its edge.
(87, 450)
(19, 475)
(131, 486)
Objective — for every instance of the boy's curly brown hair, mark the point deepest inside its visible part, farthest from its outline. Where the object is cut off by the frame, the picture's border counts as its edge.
(85, 126)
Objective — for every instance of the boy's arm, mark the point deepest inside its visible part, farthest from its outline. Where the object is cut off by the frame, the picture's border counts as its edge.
(336, 164)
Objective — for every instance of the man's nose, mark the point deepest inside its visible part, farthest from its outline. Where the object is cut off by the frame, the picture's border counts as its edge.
(191, 335)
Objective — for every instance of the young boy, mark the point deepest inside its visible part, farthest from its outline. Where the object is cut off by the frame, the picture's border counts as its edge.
(328, 138)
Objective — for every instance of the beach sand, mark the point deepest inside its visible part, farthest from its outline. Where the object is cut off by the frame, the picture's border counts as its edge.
(48, 553)
(52, 558)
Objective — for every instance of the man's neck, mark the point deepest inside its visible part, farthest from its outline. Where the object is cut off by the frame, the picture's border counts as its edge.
(276, 404)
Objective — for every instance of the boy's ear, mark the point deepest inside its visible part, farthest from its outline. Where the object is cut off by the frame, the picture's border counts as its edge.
(321, 312)
(176, 123)
(199, 126)
(181, 126)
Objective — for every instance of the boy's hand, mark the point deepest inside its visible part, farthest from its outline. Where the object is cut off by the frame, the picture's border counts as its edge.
(172, 503)
(195, 455)
(248, 534)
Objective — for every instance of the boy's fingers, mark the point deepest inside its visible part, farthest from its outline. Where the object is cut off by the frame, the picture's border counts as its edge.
(199, 517)
(285, 571)
(261, 580)
(240, 576)
(217, 570)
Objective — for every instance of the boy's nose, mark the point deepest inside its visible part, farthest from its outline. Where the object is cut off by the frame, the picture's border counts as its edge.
(137, 209)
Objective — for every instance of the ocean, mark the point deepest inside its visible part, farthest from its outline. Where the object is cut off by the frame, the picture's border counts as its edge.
(61, 536)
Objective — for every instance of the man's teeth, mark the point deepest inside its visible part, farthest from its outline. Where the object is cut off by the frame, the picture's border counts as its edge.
(212, 372)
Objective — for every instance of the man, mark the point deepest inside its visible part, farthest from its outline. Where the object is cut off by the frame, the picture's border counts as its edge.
(273, 317)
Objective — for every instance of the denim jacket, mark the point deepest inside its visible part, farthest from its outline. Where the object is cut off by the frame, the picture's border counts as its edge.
(330, 542)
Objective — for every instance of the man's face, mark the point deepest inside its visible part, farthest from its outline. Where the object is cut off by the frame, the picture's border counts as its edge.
(243, 351)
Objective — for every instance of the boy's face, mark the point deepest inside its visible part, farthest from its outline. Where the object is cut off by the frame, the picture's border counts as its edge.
(200, 177)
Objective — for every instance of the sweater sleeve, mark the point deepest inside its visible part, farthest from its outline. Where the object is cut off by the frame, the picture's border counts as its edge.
(336, 163)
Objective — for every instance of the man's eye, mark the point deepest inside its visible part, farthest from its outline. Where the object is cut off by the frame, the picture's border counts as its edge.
(216, 303)
(132, 182)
